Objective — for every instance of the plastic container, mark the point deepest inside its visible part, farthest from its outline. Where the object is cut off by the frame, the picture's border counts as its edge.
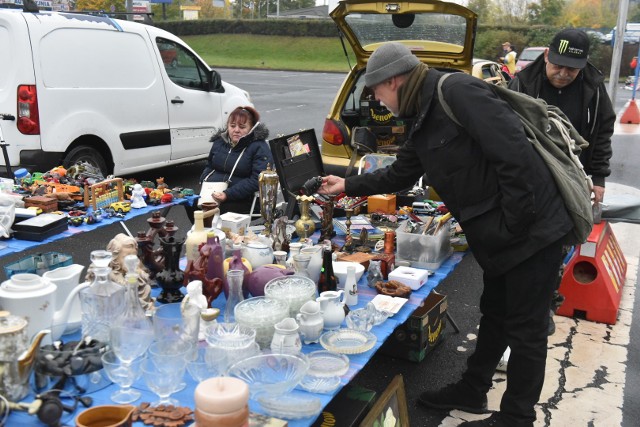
(38, 263)
(423, 251)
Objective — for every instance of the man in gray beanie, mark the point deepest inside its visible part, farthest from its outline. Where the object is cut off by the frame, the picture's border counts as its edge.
(504, 197)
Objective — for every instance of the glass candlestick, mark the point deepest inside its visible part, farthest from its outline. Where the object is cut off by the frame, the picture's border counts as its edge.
(268, 186)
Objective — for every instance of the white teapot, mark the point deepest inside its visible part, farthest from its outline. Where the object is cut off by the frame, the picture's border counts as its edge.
(34, 298)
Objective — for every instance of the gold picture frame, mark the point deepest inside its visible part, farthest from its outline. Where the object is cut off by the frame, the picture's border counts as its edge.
(392, 403)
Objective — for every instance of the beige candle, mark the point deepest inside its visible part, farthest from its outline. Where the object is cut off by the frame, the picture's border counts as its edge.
(222, 401)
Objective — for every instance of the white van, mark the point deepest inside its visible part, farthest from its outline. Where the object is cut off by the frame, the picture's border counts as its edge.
(121, 95)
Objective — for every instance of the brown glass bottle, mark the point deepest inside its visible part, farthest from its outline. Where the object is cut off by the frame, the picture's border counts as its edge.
(327, 281)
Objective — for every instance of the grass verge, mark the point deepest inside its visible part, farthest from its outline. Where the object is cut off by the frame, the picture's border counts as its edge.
(271, 52)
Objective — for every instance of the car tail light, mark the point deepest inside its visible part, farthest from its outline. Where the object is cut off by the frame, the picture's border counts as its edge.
(333, 133)
(28, 117)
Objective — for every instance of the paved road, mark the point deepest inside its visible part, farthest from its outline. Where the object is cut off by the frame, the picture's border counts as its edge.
(593, 369)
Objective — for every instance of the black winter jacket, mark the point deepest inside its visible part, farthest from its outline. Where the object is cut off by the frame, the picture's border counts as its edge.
(598, 115)
(222, 157)
(486, 172)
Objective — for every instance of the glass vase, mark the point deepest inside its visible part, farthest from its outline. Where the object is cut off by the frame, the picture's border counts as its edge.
(301, 264)
(234, 278)
(132, 331)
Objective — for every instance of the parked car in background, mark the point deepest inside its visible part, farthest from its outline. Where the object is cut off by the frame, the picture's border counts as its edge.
(440, 34)
(490, 71)
(527, 56)
(631, 33)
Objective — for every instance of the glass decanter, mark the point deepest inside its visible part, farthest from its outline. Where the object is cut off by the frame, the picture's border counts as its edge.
(132, 331)
(234, 278)
(103, 301)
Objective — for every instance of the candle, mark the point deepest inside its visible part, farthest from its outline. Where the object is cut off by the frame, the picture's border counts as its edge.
(222, 401)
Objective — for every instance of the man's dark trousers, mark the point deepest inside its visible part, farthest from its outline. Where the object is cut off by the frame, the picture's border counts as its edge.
(515, 313)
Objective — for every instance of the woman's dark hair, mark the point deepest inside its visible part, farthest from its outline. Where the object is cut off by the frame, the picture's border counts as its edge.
(244, 114)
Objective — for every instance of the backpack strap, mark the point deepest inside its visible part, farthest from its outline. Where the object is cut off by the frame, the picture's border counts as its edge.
(443, 103)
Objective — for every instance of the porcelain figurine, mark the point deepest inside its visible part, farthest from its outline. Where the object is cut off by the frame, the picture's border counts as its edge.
(137, 197)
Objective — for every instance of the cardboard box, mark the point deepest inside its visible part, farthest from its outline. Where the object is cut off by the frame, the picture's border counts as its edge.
(235, 223)
(382, 203)
(348, 408)
(422, 331)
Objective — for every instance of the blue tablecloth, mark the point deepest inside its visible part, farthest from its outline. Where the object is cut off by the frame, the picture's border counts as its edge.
(14, 245)
(357, 361)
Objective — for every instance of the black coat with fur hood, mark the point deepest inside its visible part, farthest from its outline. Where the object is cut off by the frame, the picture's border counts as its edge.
(244, 182)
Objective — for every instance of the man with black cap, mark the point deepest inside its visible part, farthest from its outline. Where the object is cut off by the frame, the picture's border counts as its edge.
(563, 77)
(500, 190)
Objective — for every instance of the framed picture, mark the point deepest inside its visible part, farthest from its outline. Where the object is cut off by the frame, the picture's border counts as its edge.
(391, 408)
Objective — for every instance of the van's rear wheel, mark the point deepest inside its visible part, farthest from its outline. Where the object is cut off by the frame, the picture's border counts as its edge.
(90, 155)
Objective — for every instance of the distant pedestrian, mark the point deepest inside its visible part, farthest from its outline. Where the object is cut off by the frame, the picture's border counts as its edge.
(509, 58)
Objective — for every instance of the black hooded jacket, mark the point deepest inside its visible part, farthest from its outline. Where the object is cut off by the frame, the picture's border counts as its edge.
(222, 157)
(487, 173)
(598, 116)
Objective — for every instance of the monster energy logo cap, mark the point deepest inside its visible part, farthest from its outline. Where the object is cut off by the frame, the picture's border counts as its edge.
(569, 48)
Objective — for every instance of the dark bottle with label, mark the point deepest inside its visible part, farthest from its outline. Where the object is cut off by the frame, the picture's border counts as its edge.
(327, 281)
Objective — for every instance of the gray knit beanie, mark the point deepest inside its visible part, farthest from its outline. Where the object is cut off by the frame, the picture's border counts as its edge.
(389, 60)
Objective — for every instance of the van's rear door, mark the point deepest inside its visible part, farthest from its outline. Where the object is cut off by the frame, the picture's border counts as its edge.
(16, 68)
(194, 112)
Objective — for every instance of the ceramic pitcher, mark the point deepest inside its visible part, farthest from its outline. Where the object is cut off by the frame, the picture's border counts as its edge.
(67, 278)
(311, 322)
(332, 308)
(286, 338)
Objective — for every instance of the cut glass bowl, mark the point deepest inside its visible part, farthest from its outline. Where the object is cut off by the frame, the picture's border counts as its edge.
(270, 374)
(229, 335)
(261, 314)
(294, 290)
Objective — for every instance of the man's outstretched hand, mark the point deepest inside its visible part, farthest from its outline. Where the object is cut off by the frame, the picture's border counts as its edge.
(331, 184)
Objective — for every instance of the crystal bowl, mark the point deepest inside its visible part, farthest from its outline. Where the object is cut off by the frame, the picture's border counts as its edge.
(270, 374)
(261, 314)
(229, 335)
(295, 290)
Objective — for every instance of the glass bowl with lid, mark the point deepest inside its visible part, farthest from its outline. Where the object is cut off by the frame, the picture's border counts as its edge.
(295, 290)
(261, 314)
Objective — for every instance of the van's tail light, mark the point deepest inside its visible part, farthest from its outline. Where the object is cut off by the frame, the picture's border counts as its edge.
(28, 117)
(334, 133)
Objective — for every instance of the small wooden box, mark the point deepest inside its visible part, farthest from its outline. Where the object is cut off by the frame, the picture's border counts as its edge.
(382, 203)
(47, 204)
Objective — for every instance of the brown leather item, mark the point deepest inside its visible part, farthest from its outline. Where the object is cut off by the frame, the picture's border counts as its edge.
(393, 288)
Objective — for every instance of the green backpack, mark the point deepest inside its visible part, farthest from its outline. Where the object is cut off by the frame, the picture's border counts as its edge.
(559, 144)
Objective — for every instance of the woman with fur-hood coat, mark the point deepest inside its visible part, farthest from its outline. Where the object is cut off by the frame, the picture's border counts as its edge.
(242, 142)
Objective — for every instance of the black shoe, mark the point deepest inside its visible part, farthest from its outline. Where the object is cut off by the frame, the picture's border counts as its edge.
(495, 420)
(455, 396)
